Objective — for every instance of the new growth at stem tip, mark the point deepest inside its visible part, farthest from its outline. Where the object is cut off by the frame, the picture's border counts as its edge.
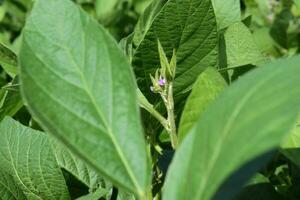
(162, 83)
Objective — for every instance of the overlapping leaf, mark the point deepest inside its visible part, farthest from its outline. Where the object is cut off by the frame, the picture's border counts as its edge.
(190, 28)
(227, 12)
(241, 48)
(248, 119)
(28, 167)
(78, 84)
(207, 87)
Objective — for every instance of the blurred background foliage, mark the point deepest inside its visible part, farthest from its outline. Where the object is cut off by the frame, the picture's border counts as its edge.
(275, 25)
(118, 16)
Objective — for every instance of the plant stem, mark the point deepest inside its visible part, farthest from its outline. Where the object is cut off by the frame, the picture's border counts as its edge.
(171, 118)
(143, 103)
(169, 123)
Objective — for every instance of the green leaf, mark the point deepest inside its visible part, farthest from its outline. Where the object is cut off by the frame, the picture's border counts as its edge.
(207, 87)
(8, 188)
(80, 88)
(241, 48)
(190, 28)
(293, 140)
(264, 41)
(26, 157)
(291, 146)
(247, 120)
(8, 60)
(227, 13)
(71, 163)
(145, 20)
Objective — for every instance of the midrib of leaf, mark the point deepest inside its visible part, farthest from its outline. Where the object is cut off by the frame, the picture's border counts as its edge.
(58, 131)
(226, 131)
(93, 101)
(15, 170)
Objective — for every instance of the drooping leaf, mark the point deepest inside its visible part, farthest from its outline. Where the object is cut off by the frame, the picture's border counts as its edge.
(227, 12)
(80, 88)
(190, 28)
(247, 120)
(241, 48)
(207, 87)
(26, 157)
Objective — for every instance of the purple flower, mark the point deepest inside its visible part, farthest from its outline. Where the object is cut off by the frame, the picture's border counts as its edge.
(162, 82)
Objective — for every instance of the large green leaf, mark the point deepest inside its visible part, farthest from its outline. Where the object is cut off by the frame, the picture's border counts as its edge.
(241, 48)
(227, 12)
(207, 87)
(190, 28)
(9, 189)
(79, 86)
(71, 163)
(248, 119)
(27, 164)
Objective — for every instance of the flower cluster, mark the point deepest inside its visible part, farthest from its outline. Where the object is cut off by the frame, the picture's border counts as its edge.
(165, 74)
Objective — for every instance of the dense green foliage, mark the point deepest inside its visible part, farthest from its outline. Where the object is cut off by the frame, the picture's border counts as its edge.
(149, 99)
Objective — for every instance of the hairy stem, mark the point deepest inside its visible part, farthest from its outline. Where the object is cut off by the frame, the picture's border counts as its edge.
(143, 103)
(171, 117)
